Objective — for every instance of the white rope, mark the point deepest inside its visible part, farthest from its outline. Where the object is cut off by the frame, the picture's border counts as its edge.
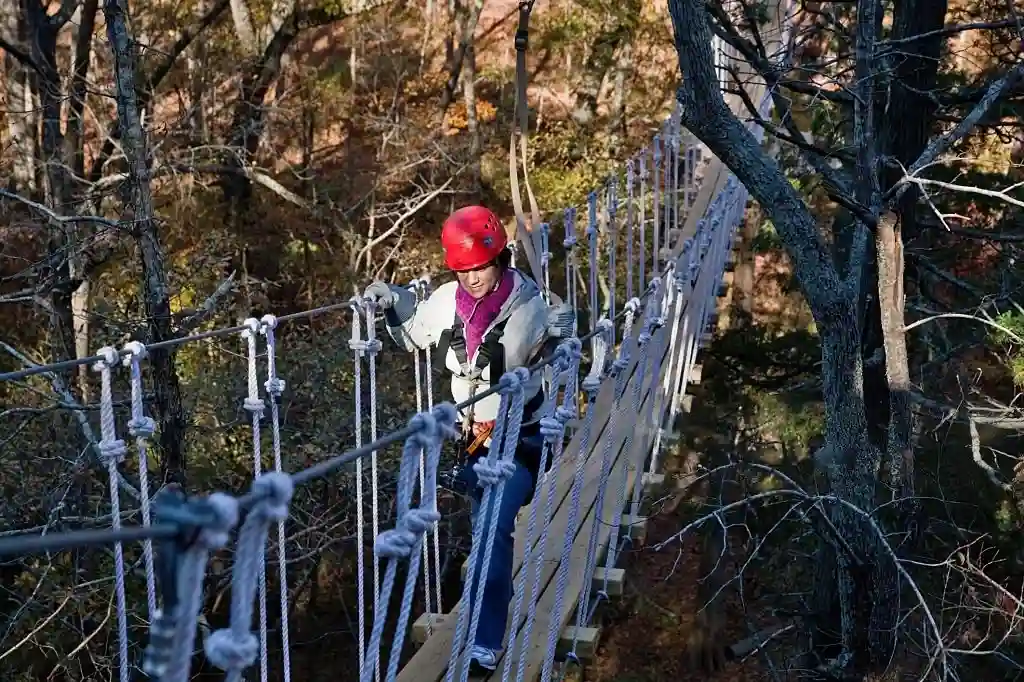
(254, 404)
(275, 387)
(358, 347)
(373, 347)
(142, 428)
(112, 452)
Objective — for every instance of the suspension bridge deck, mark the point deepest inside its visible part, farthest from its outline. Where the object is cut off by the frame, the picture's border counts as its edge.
(436, 631)
(430, 663)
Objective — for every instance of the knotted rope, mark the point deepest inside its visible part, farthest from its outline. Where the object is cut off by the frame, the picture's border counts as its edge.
(275, 387)
(174, 664)
(591, 386)
(112, 452)
(553, 430)
(235, 648)
(401, 542)
(491, 472)
(142, 428)
(548, 410)
(358, 347)
(254, 404)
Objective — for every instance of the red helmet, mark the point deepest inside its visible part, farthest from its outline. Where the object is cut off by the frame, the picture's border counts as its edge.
(471, 238)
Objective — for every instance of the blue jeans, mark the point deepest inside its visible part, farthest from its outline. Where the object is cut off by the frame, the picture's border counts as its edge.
(497, 593)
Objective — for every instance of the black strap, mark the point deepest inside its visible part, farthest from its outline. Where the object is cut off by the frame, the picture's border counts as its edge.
(491, 354)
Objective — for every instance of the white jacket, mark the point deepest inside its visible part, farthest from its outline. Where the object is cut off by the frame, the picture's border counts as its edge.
(421, 325)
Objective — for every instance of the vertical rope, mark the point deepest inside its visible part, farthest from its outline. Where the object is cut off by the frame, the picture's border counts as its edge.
(466, 607)
(645, 338)
(435, 533)
(358, 346)
(629, 228)
(213, 533)
(545, 261)
(142, 428)
(655, 205)
(402, 541)
(418, 376)
(275, 387)
(112, 452)
(553, 430)
(550, 405)
(595, 312)
(235, 648)
(492, 475)
(643, 219)
(619, 371)
(373, 346)
(613, 247)
(254, 404)
(591, 386)
(632, 307)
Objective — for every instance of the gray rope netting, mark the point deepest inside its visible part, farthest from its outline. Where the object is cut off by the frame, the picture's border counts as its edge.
(662, 330)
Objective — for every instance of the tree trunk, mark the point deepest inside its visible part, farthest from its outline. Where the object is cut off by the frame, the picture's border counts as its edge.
(848, 460)
(21, 109)
(466, 21)
(170, 413)
(623, 75)
(469, 94)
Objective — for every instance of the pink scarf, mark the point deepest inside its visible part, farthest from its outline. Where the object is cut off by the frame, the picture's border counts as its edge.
(477, 314)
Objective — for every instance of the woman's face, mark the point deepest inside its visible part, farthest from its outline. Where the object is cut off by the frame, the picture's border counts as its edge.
(480, 282)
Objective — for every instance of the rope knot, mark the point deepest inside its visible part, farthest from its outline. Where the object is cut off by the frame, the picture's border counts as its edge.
(569, 241)
(223, 516)
(488, 474)
(252, 328)
(654, 284)
(135, 350)
(269, 321)
(621, 362)
(229, 650)
(254, 405)
(644, 338)
(112, 451)
(275, 386)
(591, 385)
(278, 488)
(550, 428)
(108, 358)
(357, 345)
(419, 521)
(633, 305)
(426, 434)
(658, 322)
(142, 427)
(372, 346)
(445, 415)
(510, 381)
(605, 326)
(396, 543)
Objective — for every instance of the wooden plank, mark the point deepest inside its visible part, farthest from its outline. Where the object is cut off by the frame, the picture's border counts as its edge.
(424, 624)
(616, 581)
(430, 662)
(535, 650)
(587, 641)
(695, 373)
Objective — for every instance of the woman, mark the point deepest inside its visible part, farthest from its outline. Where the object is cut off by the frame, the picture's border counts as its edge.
(490, 320)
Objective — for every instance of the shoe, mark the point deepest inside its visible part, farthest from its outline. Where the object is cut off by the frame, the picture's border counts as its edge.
(482, 661)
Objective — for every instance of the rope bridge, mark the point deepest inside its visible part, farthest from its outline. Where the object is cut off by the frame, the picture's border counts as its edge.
(664, 244)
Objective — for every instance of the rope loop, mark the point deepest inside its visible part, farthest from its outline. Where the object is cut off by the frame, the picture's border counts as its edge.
(216, 531)
(488, 474)
(633, 305)
(512, 381)
(142, 427)
(135, 350)
(112, 451)
(278, 488)
(252, 328)
(269, 322)
(372, 346)
(254, 405)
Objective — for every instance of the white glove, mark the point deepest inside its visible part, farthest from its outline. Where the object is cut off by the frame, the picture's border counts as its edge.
(561, 321)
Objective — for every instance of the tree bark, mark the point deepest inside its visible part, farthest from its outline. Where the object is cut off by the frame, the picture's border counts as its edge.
(169, 409)
(848, 459)
(465, 28)
(469, 94)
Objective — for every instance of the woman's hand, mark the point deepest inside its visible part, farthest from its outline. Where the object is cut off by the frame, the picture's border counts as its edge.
(482, 428)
